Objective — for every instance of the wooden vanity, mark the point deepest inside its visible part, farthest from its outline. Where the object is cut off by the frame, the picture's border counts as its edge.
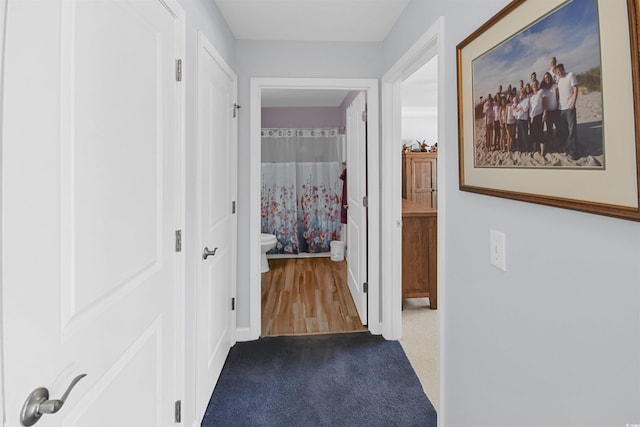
(419, 251)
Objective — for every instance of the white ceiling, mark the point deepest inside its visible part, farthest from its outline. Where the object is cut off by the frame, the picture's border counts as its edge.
(303, 97)
(311, 20)
(324, 20)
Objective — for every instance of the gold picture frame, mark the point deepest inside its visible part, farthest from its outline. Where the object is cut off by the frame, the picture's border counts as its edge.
(605, 180)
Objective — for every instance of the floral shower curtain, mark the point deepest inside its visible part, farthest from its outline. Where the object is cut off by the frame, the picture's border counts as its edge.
(301, 188)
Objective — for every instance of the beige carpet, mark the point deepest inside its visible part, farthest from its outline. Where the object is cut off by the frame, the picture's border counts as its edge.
(420, 343)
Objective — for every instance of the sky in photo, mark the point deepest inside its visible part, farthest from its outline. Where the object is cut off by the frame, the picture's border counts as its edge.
(570, 33)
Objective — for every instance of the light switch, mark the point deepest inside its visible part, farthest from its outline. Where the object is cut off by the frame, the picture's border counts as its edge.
(497, 249)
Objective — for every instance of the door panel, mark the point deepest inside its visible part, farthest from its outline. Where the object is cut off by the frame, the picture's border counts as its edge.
(139, 362)
(217, 147)
(423, 179)
(357, 213)
(90, 143)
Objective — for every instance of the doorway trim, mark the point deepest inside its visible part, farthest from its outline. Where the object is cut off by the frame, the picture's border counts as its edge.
(428, 46)
(370, 86)
(3, 13)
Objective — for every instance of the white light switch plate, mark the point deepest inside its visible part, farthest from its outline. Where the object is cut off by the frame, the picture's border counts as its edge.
(497, 249)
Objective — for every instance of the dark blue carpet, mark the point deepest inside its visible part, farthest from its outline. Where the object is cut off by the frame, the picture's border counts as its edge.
(354, 379)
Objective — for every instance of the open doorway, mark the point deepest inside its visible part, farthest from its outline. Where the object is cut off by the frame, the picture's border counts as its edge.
(420, 317)
(368, 158)
(426, 48)
(310, 218)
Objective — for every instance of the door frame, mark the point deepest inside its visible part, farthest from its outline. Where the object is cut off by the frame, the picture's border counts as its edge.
(3, 13)
(429, 45)
(181, 200)
(370, 86)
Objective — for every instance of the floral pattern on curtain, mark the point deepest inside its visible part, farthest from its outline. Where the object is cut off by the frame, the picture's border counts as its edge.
(279, 206)
(301, 188)
(319, 209)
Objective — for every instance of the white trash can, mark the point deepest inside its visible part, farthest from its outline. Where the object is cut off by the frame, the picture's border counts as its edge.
(337, 250)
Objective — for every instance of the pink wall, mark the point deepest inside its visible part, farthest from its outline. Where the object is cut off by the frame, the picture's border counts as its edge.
(307, 117)
(301, 117)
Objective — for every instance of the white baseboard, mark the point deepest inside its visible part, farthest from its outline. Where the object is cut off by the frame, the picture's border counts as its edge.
(375, 328)
(244, 334)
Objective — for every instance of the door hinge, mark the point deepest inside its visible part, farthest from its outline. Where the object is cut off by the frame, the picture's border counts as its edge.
(233, 304)
(178, 240)
(178, 411)
(365, 287)
(178, 70)
(233, 207)
(364, 116)
(236, 107)
(365, 202)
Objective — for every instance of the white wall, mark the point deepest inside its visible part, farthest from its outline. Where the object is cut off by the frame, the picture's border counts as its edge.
(285, 59)
(419, 93)
(201, 15)
(419, 127)
(3, 12)
(554, 341)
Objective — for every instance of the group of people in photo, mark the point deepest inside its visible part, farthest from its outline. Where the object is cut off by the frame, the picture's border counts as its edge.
(535, 116)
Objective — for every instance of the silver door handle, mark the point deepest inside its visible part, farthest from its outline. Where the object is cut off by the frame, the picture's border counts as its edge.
(206, 252)
(38, 403)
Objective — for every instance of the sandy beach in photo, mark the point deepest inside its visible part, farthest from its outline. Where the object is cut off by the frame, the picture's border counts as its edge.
(590, 142)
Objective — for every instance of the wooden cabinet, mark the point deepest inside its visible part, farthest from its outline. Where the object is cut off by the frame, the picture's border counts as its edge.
(419, 252)
(419, 178)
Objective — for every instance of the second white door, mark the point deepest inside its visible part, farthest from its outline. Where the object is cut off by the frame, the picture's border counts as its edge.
(217, 153)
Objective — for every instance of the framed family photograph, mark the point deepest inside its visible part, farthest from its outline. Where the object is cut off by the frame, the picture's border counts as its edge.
(549, 105)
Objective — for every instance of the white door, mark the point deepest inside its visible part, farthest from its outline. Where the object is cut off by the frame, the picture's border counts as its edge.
(91, 163)
(356, 131)
(217, 153)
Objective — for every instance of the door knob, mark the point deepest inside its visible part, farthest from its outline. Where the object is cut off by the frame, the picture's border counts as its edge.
(38, 403)
(206, 252)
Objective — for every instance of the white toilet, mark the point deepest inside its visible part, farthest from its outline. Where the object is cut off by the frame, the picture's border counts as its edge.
(267, 242)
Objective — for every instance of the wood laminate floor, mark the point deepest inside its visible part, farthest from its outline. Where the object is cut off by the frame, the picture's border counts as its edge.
(302, 296)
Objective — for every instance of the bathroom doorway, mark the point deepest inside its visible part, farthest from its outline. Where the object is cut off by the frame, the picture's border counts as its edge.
(296, 95)
(309, 139)
(304, 157)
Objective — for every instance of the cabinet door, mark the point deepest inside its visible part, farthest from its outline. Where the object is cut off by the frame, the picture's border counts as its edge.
(423, 181)
(415, 257)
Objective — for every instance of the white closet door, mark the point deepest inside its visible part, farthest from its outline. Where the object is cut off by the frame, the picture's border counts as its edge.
(91, 165)
(217, 145)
